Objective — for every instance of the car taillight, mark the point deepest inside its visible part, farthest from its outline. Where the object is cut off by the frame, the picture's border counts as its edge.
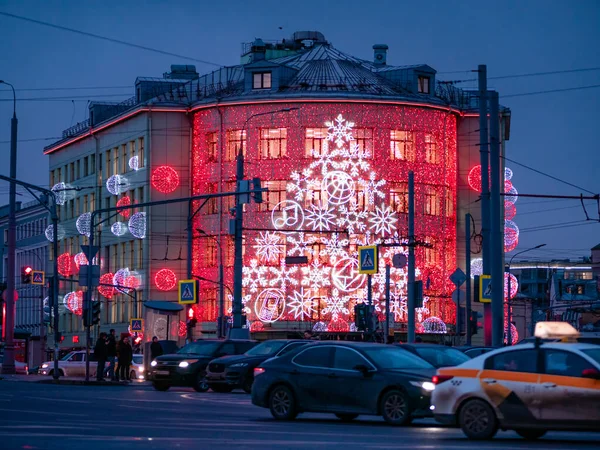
(439, 379)
(258, 371)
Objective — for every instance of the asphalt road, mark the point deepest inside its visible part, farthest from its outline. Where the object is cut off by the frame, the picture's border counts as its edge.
(37, 416)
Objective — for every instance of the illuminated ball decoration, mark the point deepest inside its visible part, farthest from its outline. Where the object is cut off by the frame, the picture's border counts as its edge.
(165, 179)
(117, 184)
(124, 201)
(508, 174)
(182, 329)
(119, 228)
(514, 285)
(476, 267)
(134, 163)
(474, 178)
(133, 281)
(507, 186)
(434, 325)
(74, 302)
(107, 291)
(66, 265)
(514, 334)
(510, 210)
(119, 279)
(50, 233)
(511, 195)
(257, 326)
(510, 247)
(80, 260)
(165, 280)
(511, 231)
(84, 223)
(137, 225)
(338, 325)
(63, 192)
(319, 327)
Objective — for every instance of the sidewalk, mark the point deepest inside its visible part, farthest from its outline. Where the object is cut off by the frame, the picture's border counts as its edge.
(42, 379)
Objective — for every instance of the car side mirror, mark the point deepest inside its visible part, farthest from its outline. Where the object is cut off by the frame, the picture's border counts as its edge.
(362, 368)
(594, 374)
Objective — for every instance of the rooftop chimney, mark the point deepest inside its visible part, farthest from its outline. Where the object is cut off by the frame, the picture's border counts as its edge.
(258, 50)
(380, 54)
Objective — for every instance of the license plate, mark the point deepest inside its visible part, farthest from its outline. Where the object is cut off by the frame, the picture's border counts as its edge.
(162, 372)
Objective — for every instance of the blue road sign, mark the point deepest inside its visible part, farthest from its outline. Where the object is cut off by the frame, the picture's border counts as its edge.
(187, 292)
(485, 289)
(367, 259)
(37, 277)
(136, 325)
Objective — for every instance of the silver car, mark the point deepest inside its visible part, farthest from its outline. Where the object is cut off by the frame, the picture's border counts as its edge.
(70, 365)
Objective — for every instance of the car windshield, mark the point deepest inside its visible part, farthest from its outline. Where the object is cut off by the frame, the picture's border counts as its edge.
(266, 348)
(593, 353)
(67, 356)
(138, 359)
(200, 348)
(441, 356)
(395, 358)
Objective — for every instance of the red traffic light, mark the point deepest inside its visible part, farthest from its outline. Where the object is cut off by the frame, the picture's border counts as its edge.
(191, 313)
(27, 270)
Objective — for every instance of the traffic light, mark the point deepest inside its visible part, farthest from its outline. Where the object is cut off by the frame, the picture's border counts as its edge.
(192, 321)
(96, 307)
(361, 313)
(258, 197)
(26, 274)
(474, 324)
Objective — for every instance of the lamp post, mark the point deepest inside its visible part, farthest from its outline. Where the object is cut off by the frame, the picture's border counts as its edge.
(508, 313)
(220, 330)
(8, 366)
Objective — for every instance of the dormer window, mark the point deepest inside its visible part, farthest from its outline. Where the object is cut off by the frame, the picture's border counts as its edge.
(423, 84)
(261, 80)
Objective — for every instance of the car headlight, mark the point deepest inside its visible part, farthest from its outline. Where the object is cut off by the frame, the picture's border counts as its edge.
(425, 385)
(186, 363)
(239, 365)
(44, 366)
(153, 363)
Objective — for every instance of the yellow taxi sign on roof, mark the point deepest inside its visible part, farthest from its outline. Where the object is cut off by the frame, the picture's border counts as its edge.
(548, 330)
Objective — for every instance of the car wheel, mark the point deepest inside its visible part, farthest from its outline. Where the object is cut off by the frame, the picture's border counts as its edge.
(395, 409)
(247, 386)
(282, 403)
(200, 385)
(346, 417)
(221, 388)
(60, 373)
(477, 420)
(160, 386)
(531, 435)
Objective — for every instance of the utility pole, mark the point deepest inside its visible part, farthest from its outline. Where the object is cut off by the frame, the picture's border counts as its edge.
(468, 219)
(485, 192)
(410, 302)
(496, 234)
(8, 365)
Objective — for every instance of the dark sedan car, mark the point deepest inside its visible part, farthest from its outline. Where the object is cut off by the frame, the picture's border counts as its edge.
(187, 367)
(346, 379)
(237, 371)
(436, 355)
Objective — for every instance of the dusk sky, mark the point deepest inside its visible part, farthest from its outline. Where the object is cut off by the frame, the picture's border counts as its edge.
(553, 132)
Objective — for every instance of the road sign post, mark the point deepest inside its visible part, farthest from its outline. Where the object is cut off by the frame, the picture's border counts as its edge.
(368, 264)
(485, 289)
(188, 292)
(136, 325)
(38, 277)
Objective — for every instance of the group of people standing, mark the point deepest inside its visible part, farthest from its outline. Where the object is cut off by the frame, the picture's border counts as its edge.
(108, 350)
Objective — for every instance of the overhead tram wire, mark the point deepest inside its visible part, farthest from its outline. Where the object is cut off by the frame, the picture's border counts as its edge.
(522, 75)
(105, 38)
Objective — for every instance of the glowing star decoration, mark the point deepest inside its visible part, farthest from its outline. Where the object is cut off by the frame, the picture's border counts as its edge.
(60, 235)
(434, 325)
(165, 179)
(316, 275)
(124, 201)
(269, 305)
(137, 225)
(63, 192)
(301, 245)
(383, 220)
(119, 228)
(74, 302)
(335, 247)
(117, 184)
(476, 267)
(514, 285)
(254, 276)
(120, 280)
(134, 163)
(80, 260)
(335, 304)
(83, 224)
(320, 218)
(165, 280)
(301, 304)
(107, 291)
(352, 218)
(268, 246)
(66, 265)
(283, 275)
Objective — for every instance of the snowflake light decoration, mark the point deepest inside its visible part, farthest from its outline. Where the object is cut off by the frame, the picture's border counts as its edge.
(268, 246)
(283, 275)
(301, 245)
(383, 220)
(107, 291)
(301, 304)
(84, 223)
(254, 276)
(165, 279)
(335, 247)
(371, 188)
(134, 163)
(165, 179)
(301, 184)
(339, 131)
(316, 275)
(60, 235)
(119, 228)
(320, 218)
(137, 225)
(336, 304)
(124, 201)
(352, 218)
(117, 184)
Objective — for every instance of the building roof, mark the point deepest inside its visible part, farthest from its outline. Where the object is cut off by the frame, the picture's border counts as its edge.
(597, 247)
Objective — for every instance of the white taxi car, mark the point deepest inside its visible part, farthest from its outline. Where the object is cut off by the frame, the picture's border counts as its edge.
(529, 388)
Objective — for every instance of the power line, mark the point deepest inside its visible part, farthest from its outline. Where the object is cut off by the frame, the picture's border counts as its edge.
(88, 88)
(579, 88)
(105, 38)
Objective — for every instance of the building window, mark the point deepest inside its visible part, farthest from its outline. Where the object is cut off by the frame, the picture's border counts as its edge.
(78, 170)
(431, 201)
(431, 149)
(315, 140)
(86, 168)
(432, 256)
(115, 159)
(212, 204)
(449, 203)
(93, 164)
(399, 197)
(140, 152)
(273, 143)
(124, 159)
(210, 252)
(261, 80)
(402, 145)
(211, 146)
(363, 137)
(72, 172)
(275, 195)
(423, 84)
(108, 164)
(235, 140)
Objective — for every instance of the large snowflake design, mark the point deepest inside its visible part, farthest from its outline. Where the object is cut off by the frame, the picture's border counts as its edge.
(301, 245)
(352, 218)
(320, 217)
(355, 160)
(371, 188)
(301, 303)
(283, 275)
(301, 185)
(336, 304)
(268, 246)
(254, 276)
(340, 131)
(316, 275)
(383, 220)
(335, 248)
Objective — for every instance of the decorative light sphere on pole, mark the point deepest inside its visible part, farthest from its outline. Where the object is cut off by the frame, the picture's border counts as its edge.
(134, 163)
(476, 267)
(74, 302)
(124, 201)
(84, 223)
(119, 228)
(165, 179)
(514, 285)
(165, 279)
(434, 325)
(66, 264)
(117, 184)
(62, 192)
(510, 210)
(80, 260)
(60, 235)
(137, 225)
(120, 279)
(107, 291)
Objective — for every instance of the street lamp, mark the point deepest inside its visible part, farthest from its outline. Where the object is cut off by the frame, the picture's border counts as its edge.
(8, 366)
(508, 314)
(220, 282)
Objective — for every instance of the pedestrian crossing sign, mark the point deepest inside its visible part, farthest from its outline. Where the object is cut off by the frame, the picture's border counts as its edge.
(136, 325)
(37, 277)
(367, 259)
(188, 292)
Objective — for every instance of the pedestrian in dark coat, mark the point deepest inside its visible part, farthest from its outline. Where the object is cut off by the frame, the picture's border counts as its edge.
(111, 352)
(125, 357)
(155, 349)
(101, 354)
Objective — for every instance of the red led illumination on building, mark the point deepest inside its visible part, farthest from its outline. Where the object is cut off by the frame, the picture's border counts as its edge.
(165, 179)
(282, 147)
(165, 280)
(124, 201)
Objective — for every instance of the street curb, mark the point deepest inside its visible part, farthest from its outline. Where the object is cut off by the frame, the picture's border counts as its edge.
(83, 382)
